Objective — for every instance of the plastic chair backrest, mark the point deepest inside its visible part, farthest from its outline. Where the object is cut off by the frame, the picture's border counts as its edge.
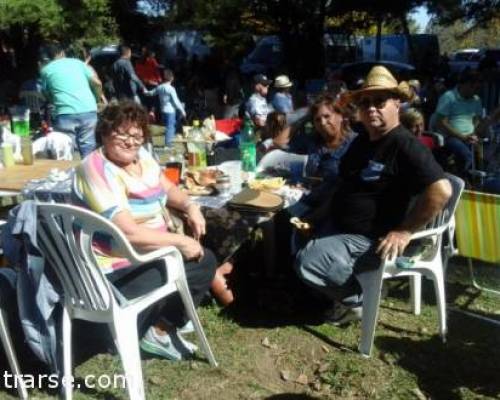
(65, 234)
(457, 185)
(446, 214)
(34, 100)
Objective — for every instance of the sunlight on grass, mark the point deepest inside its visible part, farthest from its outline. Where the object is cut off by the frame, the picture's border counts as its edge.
(258, 360)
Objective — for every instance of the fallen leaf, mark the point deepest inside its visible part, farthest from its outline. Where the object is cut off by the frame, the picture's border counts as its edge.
(302, 379)
(388, 359)
(325, 349)
(418, 393)
(194, 365)
(285, 375)
(155, 380)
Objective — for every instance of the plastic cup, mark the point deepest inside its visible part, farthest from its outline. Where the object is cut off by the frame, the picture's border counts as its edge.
(233, 170)
(7, 155)
(20, 121)
(172, 172)
(27, 151)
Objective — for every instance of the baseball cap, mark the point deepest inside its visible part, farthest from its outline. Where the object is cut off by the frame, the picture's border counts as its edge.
(262, 79)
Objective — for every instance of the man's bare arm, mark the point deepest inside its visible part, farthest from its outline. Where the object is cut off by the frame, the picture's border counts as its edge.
(443, 125)
(428, 205)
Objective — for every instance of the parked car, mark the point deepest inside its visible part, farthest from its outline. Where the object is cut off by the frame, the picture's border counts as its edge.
(102, 58)
(265, 58)
(397, 48)
(351, 73)
(464, 58)
(180, 45)
(473, 59)
(489, 57)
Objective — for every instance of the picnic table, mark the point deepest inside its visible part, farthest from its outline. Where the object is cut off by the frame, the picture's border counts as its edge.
(14, 179)
(227, 229)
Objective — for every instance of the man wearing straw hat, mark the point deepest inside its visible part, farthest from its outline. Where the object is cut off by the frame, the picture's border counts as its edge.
(282, 99)
(367, 215)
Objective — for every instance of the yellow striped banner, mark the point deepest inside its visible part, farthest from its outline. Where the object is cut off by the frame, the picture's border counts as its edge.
(478, 226)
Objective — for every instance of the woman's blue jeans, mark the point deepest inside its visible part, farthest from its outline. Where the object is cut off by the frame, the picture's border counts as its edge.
(462, 151)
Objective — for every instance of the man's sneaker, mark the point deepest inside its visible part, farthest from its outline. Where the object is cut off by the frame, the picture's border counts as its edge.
(341, 314)
(166, 346)
(180, 342)
(187, 328)
(178, 339)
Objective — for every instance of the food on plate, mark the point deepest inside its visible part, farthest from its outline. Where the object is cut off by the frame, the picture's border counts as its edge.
(204, 177)
(267, 183)
(299, 224)
(200, 191)
(202, 182)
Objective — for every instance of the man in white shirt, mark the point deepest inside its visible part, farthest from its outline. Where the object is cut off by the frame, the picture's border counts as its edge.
(257, 107)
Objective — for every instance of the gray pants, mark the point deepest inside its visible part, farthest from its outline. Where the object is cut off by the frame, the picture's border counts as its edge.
(328, 264)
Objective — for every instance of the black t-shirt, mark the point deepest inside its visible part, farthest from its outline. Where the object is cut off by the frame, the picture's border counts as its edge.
(378, 180)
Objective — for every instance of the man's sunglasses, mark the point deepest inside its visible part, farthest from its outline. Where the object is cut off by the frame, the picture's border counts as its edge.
(375, 101)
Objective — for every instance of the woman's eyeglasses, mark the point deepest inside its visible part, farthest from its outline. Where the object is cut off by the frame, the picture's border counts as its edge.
(375, 101)
(125, 137)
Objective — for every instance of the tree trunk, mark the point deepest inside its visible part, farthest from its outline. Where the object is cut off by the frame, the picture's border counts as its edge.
(409, 39)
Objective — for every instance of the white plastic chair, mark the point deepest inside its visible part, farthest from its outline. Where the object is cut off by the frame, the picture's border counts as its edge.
(11, 355)
(433, 268)
(281, 160)
(34, 100)
(8, 346)
(65, 235)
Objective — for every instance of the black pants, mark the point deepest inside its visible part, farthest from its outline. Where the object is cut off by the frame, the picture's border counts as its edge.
(137, 281)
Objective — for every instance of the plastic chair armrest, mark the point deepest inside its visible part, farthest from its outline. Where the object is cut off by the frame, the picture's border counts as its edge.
(429, 232)
(155, 254)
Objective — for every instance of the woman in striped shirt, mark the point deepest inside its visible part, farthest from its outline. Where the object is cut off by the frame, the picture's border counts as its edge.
(121, 181)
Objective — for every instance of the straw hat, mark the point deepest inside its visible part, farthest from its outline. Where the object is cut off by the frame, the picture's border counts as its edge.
(282, 82)
(380, 79)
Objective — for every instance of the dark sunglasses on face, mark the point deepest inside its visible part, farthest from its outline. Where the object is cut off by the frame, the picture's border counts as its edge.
(375, 101)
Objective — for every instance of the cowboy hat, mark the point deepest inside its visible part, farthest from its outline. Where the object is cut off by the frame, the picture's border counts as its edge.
(282, 82)
(380, 79)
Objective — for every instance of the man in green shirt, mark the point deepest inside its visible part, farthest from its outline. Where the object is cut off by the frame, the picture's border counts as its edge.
(67, 83)
(458, 114)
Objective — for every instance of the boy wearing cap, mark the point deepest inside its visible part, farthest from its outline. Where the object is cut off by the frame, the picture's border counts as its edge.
(367, 220)
(257, 107)
(282, 99)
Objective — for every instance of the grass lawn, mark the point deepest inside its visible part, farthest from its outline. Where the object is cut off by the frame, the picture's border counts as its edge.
(263, 355)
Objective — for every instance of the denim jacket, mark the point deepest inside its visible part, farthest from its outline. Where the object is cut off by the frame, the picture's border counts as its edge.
(36, 296)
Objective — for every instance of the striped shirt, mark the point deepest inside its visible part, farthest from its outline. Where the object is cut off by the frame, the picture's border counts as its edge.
(107, 189)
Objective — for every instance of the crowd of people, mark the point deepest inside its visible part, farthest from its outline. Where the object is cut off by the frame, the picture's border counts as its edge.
(367, 148)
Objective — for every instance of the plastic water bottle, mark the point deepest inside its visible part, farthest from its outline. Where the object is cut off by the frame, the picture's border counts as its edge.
(27, 150)
(197, 154)
(7, 155)
(248, 149)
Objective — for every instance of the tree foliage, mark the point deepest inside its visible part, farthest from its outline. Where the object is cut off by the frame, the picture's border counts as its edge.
(64, 20)
(460, 34)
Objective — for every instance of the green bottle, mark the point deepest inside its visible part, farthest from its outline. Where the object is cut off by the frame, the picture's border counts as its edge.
(248, 149)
